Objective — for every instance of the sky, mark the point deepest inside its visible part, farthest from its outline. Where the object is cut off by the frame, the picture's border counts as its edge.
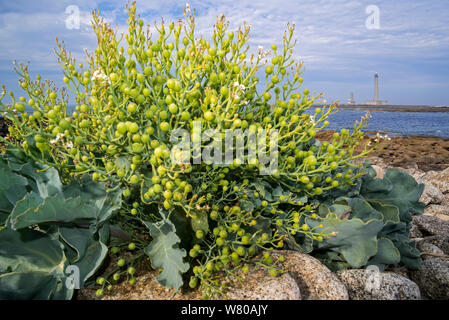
(342, 43)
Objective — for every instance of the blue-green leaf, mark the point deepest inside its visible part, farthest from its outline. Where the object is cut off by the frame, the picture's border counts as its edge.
(165, 253)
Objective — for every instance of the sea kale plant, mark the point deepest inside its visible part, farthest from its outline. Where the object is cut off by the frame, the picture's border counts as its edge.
(212, 148)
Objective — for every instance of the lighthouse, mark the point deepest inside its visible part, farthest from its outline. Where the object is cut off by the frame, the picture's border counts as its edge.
(376, 100)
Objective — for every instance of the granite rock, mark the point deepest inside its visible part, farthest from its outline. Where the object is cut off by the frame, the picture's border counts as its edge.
(433, 278)
(431, 195)
(314, 279)
(431, 225)
(367, 284)
(429, 250)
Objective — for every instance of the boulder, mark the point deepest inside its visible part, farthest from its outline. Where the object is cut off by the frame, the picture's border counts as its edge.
(255, 285)
(314, 279)
(430, 225)
(368, 284)
(429, 250)
(440, 241)
(433, 278)
(259, 285)
(146, 288)
(432, 195)
(439, 211)
(439, 179)
(414, 232)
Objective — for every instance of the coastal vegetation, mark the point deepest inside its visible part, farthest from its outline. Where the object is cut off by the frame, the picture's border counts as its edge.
(106, 185)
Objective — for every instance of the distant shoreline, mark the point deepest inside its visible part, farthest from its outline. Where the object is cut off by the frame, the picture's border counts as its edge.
(389, 108)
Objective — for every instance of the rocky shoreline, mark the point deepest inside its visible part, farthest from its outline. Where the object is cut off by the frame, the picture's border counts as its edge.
(419, 152)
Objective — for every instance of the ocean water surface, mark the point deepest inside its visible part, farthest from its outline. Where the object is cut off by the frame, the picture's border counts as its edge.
(395, 123)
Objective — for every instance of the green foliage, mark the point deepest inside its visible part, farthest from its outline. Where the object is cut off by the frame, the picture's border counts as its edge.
(130, 100)
(382, 212)
(32, 266)
(165, 253)
(49, 226)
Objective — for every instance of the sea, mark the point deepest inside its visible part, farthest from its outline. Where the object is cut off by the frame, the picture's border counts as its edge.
(434, 124)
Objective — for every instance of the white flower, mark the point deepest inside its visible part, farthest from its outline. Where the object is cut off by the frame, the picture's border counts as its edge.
(69, 144)
(263, 54)
(100, 76)
(260, 48)
(187, 8)
(59, 136)
(238, 85)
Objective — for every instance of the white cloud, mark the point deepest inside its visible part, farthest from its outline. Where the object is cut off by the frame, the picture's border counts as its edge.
(332, 37)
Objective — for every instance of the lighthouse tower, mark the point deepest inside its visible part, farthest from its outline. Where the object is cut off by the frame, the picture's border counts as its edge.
(376, 101)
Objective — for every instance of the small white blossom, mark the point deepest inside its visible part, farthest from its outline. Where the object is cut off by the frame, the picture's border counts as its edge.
(187, 8)
(100, 76)
(59, 136)
(238, 85)
(262, 53)
(69, 144)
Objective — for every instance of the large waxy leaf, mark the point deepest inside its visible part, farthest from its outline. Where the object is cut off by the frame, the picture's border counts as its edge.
(264, 189)
(12, 187)
(199, 221)
(263, 225)
(361, 209)
(47, 180)
(356, 240)
(403, 192)
(333, 260)
(33, 285)
(165, 253)
(37, 198)
(246, 205)
(183, 226)
(90, 253)
(387, 253)
(54, 209)
(410, 255)
(341, 210)
(32, 265)
(30, 250)
(104, 201)
(390, 213)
